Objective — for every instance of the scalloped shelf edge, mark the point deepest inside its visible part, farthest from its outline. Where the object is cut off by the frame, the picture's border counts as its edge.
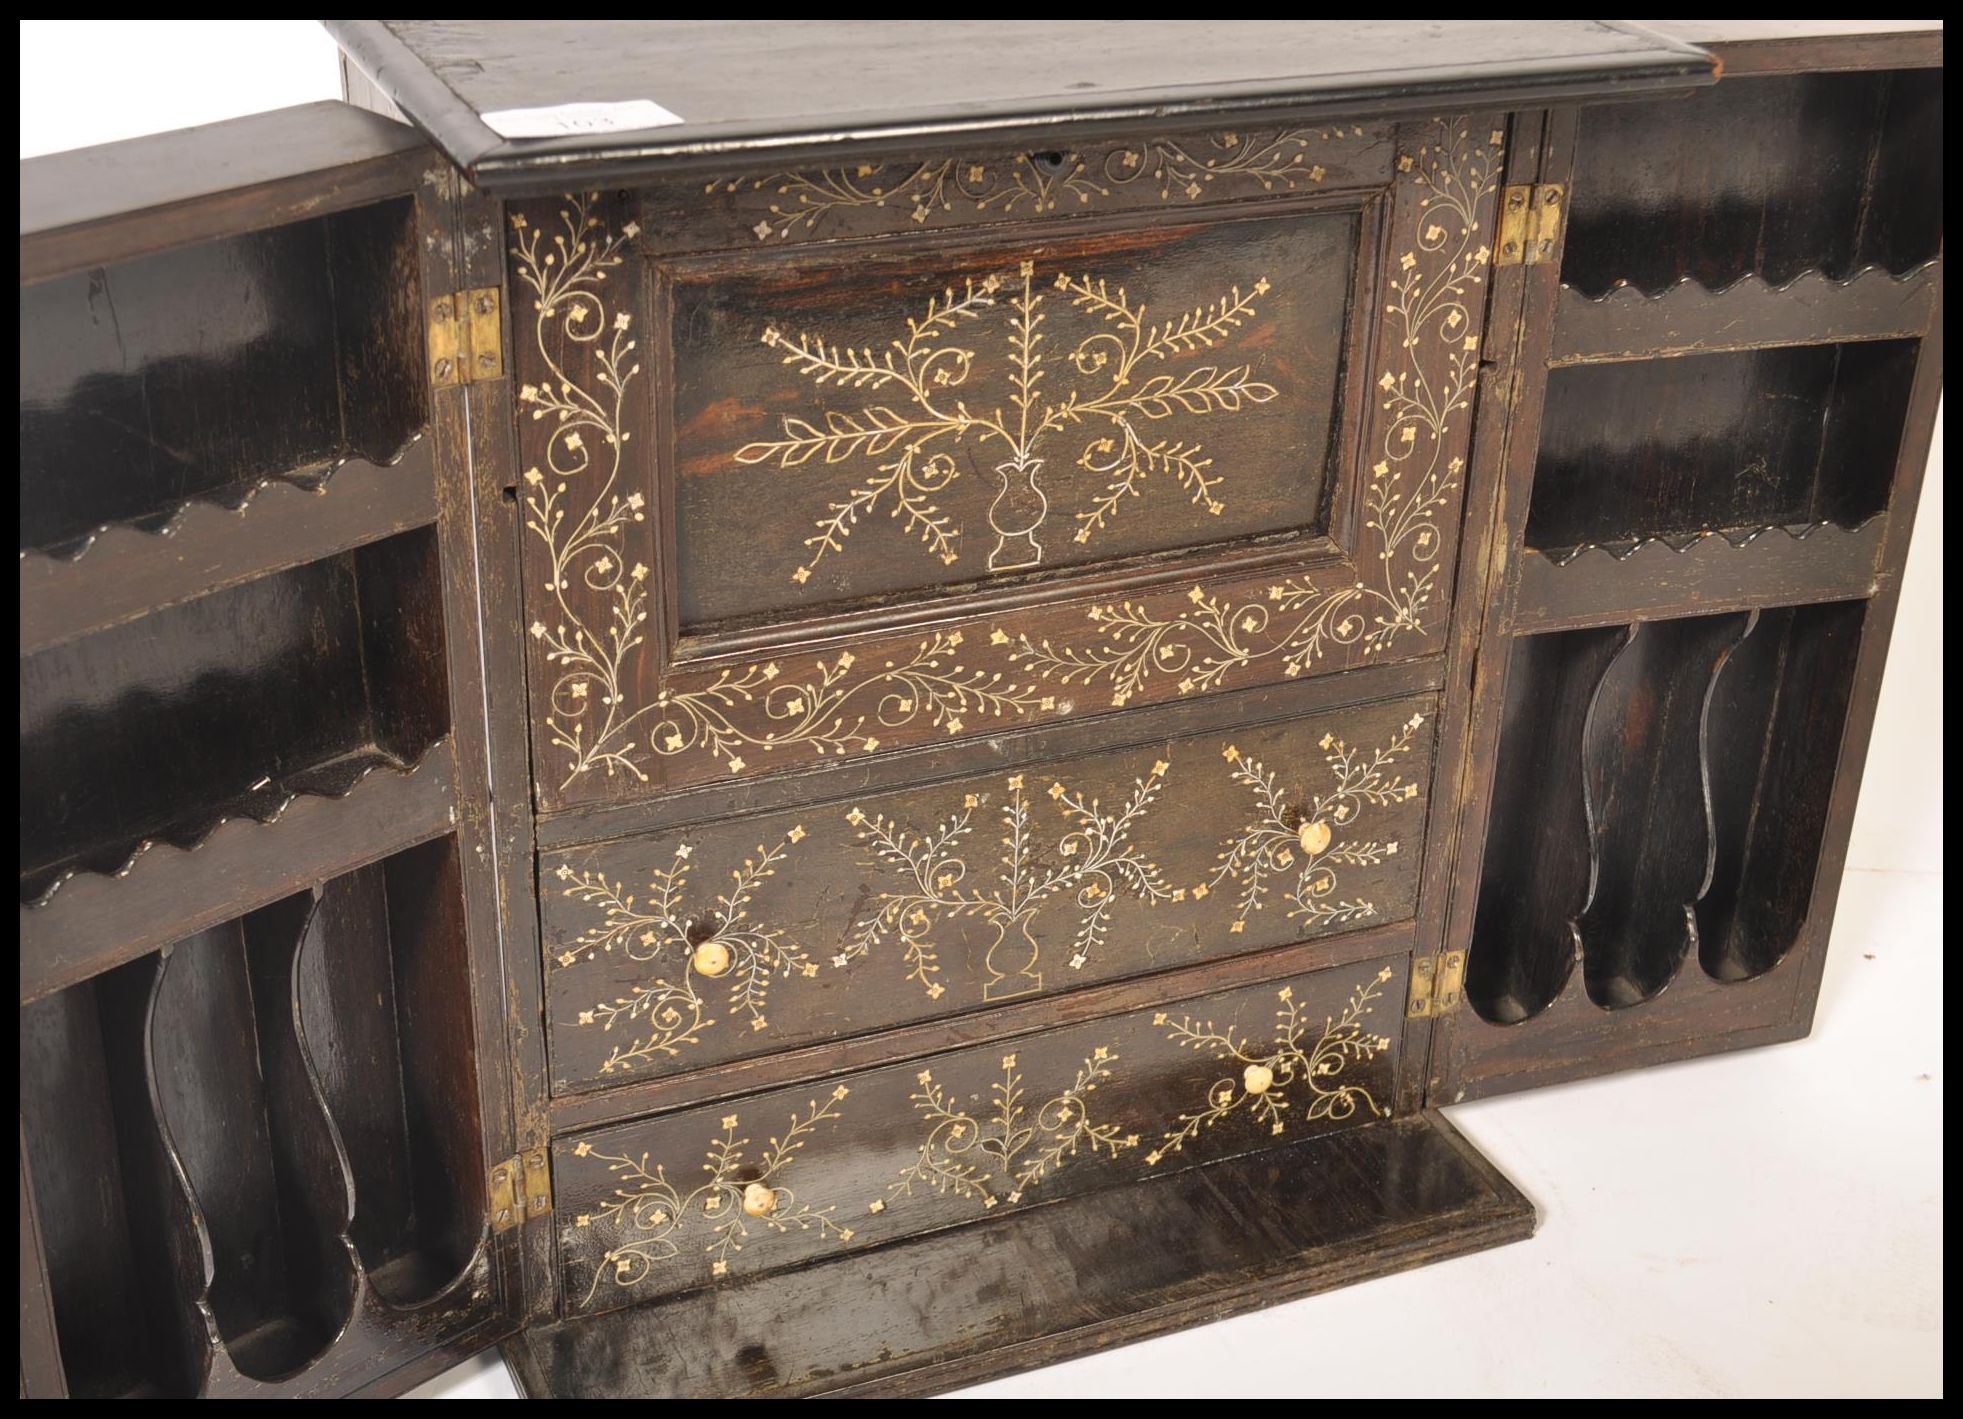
(231, 501)
(1628, 323)
(337, 780)
(1702, 574)
(1632, 292)
(1681, 544)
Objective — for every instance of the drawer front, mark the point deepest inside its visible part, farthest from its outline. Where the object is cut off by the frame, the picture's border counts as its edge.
(655, 1207)
(807, 476)
(715, 942)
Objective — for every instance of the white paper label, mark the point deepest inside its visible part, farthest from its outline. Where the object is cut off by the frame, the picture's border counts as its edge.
(629, 116)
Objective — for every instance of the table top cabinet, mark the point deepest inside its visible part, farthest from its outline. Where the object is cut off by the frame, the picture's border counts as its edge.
(837, 707)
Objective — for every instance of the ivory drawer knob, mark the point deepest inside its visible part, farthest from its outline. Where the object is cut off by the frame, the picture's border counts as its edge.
(759, 1200)
(1315, 836)
(1257, 1078)
(711, 958)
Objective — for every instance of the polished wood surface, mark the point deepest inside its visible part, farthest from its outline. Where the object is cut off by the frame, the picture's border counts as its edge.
(805, 87)
(996, 701)
(122, 200)
(1043, 1285)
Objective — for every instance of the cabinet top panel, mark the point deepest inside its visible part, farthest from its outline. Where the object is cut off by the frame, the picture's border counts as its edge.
(546, 105)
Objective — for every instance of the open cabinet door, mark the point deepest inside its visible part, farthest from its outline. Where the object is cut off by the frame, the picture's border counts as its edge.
(266, 1125)
(1730, 373)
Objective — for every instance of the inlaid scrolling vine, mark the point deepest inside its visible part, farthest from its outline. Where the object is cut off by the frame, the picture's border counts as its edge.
(669, 1009)
(605, 716)
(989, 1148)
(1302, 841)
(1314, 1069)
(578, 509)
(1094, 861)
(649, 1213)
(914, 194)
(925, 879)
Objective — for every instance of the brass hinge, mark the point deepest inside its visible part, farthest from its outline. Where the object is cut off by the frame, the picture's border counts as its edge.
(1437, 985)
(1530, 223)
(466, 337)
(521, 1189)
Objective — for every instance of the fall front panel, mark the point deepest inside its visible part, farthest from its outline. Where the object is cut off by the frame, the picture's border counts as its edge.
(790, 497)
(939, 419)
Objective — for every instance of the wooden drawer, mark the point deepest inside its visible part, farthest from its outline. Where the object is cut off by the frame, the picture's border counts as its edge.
(721, 941)
(824, 464)
(654, 1207)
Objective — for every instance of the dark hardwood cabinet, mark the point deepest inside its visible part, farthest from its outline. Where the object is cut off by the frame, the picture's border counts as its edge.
(836, 707)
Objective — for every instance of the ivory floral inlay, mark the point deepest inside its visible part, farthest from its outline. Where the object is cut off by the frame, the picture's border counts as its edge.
(1098, 421)
(1029, 184)
(1261, 1076)
(577, 507)
(1303, 842)
(1095, 859)
(1425, 390)
(912, 409)
(650, 1215)
(997, 1152)
(668, 1010)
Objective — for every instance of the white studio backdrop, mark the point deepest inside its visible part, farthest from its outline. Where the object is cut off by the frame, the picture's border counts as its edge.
(1786, 1238)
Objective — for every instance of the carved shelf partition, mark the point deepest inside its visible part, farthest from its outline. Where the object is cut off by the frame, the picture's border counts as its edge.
(1643, 773)
(1775, 721)
(96, 920)
(222, 364)
(169, 761)
(1537, 868)
(1662, 796)
(249, 1135)
(278, 1116)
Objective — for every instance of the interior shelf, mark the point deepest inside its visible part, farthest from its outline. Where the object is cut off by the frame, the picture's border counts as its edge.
(276, 1117)
(127, 572)
(1760, 176)
(1661, 795)
(195, 375)
(170, 762)
(1734, 442)
(230, 705)
(1663, 577)
(1628, 323)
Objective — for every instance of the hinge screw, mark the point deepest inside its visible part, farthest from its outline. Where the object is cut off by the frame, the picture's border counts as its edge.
(443, 368)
